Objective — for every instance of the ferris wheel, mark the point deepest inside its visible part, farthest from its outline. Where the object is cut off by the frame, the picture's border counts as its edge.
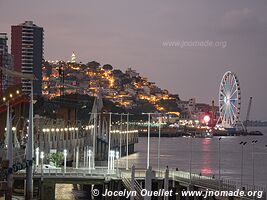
(229, 100)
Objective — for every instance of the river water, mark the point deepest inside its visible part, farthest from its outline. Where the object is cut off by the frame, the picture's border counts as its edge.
(175, 152)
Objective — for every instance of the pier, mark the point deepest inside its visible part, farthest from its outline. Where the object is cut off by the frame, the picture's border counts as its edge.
(137, 180)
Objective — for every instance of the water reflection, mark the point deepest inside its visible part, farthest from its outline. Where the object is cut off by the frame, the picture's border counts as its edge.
(205, 157)
(175, 152)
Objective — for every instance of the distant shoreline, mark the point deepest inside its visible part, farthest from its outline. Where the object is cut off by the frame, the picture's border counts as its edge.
(199, 135)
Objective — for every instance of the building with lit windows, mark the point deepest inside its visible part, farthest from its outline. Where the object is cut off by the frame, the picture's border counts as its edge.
(27, 49)
(5, 61)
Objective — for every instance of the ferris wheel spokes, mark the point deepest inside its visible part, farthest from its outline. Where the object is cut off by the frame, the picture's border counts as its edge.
(229, 100)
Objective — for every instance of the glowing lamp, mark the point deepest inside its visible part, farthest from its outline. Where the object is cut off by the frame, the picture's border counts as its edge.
(207, 119)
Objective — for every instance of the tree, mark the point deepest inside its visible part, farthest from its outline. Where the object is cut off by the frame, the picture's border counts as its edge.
(56, 158)
(169, 105)
(93, 65)
(143, 106)
(107, 67)
(117, 72)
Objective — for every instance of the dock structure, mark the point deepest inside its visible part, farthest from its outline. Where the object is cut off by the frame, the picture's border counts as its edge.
(168, 184)
(58, 135)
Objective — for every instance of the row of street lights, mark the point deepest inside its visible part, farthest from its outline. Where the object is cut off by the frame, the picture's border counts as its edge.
(113, 155)
(109, 135)
(94, 137)
(41, 155)
(88, 158)
(148, 137)
(9, 143)
(242, 143)
(127, 137)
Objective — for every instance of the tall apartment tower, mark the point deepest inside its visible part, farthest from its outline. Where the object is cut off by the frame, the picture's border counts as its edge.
(4, 61)
(27, 51)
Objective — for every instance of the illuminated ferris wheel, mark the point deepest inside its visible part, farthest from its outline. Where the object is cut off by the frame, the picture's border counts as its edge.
(229, 100)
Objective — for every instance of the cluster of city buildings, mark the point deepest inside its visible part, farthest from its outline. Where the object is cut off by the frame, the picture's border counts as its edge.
(127, 89)
(124, 88)
(26, 57)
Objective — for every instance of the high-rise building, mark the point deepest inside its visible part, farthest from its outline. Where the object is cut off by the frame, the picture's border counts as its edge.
(27, 50)
(4, 61)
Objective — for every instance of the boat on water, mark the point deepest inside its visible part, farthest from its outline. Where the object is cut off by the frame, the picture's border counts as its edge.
(256, 133)
(204, 135)
(235, 132)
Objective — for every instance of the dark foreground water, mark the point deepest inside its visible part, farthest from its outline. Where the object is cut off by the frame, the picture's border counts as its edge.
(175, 152)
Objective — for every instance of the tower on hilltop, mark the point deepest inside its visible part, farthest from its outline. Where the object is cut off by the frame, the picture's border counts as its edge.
(73, 58)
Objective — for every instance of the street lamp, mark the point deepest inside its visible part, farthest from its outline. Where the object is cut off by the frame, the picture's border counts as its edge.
(127, 143)
(109, 140)
(77, 157)
(84, 157)
(109, 157)
(89, 162)
(191, 152)
(253, 166)
(94, 127)
(242, 161)
(94, 139)
(65, 160)
(159, 143)
(121, 134)
(9, 136)
(112, 160)
(220, 164)
(117, 160)
(87, 156)
(37, 156)
(42, 163)
(148, 139)
(127, 138)
(30, 150)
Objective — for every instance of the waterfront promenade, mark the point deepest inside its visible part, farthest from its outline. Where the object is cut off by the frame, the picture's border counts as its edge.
(102, 179)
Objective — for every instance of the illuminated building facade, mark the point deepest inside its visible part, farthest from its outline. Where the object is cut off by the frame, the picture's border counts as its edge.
(5, 61)
(27, 49)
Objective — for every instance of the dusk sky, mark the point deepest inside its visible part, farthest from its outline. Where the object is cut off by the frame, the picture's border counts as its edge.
(133, 34)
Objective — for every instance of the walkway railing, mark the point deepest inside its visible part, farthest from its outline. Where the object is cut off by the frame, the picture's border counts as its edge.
(179, 176)
(81, 172)
(200, 181)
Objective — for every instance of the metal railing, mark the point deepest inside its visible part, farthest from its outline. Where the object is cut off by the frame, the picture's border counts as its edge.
(180, 176)
(137, 187)
(99, 172)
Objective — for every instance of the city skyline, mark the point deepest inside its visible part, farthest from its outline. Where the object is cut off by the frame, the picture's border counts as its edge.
(144, 40)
